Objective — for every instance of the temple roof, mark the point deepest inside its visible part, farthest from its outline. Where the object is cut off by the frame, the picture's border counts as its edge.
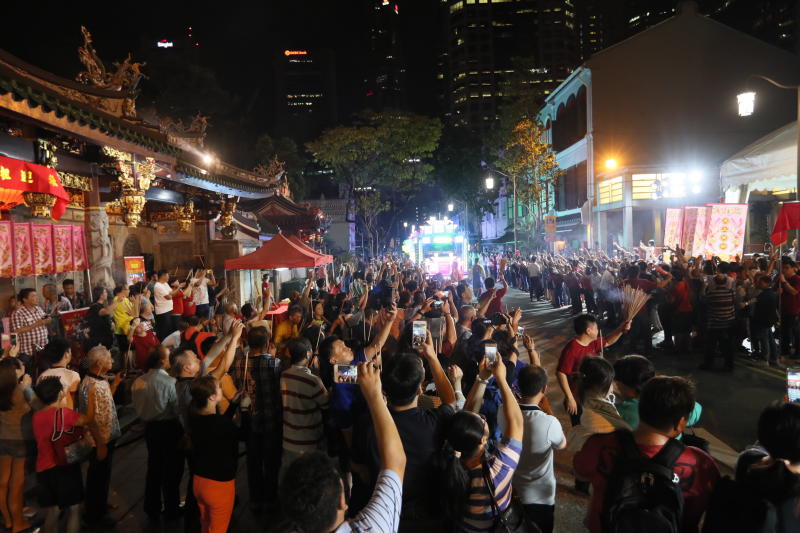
(107, 116)
(286, 214)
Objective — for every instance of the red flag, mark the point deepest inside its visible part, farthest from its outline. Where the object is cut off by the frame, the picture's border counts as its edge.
(788, 218)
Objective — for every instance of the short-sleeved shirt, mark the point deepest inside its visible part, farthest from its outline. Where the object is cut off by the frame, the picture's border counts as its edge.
(790, 304)
(535, 481)
(496, 305)
(418, 429)
(304, 398)
(680, 297)
(69, 378)
(123, 314)
(46, 457)
(11, 420)
(501, 465)
(177, 304)
(572, 356)
(141, 346)
(696, 470)
(162, 303)
(24, 316)
(347, 402)
(215, 447)
(200, 293)
(105, 410)
(382, 512)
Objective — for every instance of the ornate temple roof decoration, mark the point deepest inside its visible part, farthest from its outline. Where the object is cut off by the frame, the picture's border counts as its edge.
(194, 134)
(289, 216)
(125, 79)
(100, 108)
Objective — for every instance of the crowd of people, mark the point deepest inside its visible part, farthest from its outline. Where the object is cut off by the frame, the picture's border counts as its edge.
(390, 399)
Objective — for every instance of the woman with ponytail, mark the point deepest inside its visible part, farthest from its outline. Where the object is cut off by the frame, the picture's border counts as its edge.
(470, 471)
(214, 454)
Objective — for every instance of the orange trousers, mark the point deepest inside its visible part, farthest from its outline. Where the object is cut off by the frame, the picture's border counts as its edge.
(215, 500)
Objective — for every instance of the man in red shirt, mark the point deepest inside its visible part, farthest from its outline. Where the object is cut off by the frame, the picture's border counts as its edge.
(664, 406)
(586, 342)
(496, 305)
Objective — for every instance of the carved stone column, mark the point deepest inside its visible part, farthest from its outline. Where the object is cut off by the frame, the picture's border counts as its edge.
(100, 250)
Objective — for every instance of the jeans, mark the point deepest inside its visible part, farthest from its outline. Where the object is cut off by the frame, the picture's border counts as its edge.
(264, 452)
(790, 334)
(766, 340)
(541, 515)
(203, 311)
(535, 287)
(164, 466)
(722, 337)
(98, 478)
(575, 299)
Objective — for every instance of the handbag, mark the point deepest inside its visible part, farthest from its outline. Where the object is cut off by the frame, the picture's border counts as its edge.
(512, 519)
(71, 446)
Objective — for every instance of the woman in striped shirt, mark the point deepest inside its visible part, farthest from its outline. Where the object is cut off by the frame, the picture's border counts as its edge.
(467, 463)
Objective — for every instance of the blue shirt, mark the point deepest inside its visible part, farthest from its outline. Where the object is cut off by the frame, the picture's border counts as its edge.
(347, 402)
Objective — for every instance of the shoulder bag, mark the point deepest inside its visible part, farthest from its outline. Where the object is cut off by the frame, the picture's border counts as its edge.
(512, 519)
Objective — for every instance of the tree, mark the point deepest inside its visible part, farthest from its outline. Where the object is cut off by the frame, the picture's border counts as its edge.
(530, 158)
(369, 207)
(460, 176)
(387, 151)
(285, 149)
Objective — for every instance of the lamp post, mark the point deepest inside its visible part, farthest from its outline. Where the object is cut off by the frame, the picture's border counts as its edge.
(746, 102)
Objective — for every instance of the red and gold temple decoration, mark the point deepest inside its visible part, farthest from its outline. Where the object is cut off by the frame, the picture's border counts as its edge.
(37, 186)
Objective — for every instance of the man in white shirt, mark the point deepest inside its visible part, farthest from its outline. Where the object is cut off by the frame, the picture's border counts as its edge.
(534, 481)
(535, 278)
(162, 296)
(200, 293)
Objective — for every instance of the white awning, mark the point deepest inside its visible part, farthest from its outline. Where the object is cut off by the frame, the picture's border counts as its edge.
(768, 164)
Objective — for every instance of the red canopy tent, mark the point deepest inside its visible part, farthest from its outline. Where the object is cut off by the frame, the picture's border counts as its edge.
(303, 246)
(278, 252)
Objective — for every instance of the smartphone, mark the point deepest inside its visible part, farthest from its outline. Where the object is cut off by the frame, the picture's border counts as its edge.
(793, 384)
(13, 338)
(490, 351)
(345, 373)
(419, 332)
(436, 304)
(520, 331)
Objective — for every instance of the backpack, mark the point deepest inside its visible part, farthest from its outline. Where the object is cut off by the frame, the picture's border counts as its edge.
(735, 506)
(188, 344)
(643, 494)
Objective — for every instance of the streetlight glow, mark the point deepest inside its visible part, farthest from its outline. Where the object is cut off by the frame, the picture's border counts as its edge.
(611, 164)
(405, 224)
(450, 207)
(207, 158)
(747, 103)
(490, 183)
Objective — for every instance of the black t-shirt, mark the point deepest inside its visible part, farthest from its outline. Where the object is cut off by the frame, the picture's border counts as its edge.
(215, 446)
(418, 431)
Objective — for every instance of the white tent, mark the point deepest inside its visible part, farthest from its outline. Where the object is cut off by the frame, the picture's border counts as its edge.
(769, 164)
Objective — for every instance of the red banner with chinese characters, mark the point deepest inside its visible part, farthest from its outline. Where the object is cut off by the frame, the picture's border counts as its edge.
(64, 256)
(16, 175)
(43, 258)
(79, 257)
(23, 249)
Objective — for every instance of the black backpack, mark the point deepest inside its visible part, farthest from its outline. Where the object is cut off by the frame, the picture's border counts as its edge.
(643, 494)
(188, 344)
(735, 506)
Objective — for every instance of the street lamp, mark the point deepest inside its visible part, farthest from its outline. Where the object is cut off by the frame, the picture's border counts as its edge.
(747, 103)
(450, 207)
(490, 183)
(405, 224)
(611, 164)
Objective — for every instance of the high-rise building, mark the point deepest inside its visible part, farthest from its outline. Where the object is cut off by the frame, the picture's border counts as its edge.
(385, 79)
(488, 41)
(305, 93)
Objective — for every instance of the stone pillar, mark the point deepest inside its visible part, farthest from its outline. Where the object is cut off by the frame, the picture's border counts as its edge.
(602, 230)
(627, 211)
(101, 253)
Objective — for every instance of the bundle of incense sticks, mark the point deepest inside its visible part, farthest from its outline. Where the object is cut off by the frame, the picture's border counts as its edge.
(633, 300)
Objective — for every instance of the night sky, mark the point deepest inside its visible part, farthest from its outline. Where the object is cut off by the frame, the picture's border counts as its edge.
(237, 41)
